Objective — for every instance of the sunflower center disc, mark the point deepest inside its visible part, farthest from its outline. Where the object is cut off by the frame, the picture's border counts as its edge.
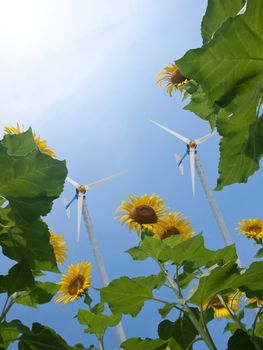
(215, 302)
(144, 214)
(255, 229)
(177, 77)
(76, 284)
(171, 231)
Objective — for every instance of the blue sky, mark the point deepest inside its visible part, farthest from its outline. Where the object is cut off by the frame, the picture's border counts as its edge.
(82, 75)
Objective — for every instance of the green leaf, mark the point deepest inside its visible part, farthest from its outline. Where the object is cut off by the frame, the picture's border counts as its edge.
(97, 323)
(185, 278)
(127, 295)
(137, 254)
(192, 251)
(9, 332)
(166, 309)
(31, 182)
(98, 308)
(144, 344)
(242, 341)
(232, 327)
(251, 281)
(216, 13)
(259, 327)
(23, 240)
(219, 279)
(230, 70)
(39, 293)
(200, 105)
(42, 338)
(182, 331)
(259, 253)
(87, 299)
(223, 255)
(20, 144)
(153, 248)
(241, 146)
(19, 278)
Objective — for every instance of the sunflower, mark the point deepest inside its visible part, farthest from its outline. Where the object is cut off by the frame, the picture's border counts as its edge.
(142, 212)
(232, 300)
(41, 144)
(74, 282)
(252, 228)
(174, 224)
(173, 78)
(58, 247)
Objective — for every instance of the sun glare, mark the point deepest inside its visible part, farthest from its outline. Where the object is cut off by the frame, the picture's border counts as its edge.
(20, 23)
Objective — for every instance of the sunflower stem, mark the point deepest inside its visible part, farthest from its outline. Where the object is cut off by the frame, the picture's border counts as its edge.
(187, 310)
(236, 319)
(205, 324)
(167, 302)
(100, 340)
(255, 321)
(4, 307)
(7, 306)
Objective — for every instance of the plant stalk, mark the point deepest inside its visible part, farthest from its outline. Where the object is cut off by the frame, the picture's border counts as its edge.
(189, 312)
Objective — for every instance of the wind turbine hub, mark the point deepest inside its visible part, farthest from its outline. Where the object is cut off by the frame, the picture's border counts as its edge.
(81, 189)
(192, 144)
(144, 214)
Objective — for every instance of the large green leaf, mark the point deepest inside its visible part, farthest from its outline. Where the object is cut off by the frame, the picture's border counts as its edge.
(251, 281)
(242, 341)
(97, 323)
(24, 240)
(19, 278)
(190, 252)
(144, 344)
(217, 281)
(31, 182)
(216, 13)
(241, 146)
(127, 295)
(259, 327)
(230, 70)
(42, 338)
(20, 144)
(39, 293)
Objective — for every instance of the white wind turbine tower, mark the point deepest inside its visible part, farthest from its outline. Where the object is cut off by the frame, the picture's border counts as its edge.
(83, 211)
(196, 164)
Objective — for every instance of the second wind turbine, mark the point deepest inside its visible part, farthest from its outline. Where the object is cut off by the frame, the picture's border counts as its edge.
(196, 164)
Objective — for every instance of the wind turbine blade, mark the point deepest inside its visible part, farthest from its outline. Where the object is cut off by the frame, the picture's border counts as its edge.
(66, 202)
(178, 136)
(104, 180)
(80, 205)
(72, 182)
(192, 168)
(206, 137)
(180, 166)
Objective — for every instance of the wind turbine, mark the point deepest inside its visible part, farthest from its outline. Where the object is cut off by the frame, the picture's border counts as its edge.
(195, 164)
(83, 212)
